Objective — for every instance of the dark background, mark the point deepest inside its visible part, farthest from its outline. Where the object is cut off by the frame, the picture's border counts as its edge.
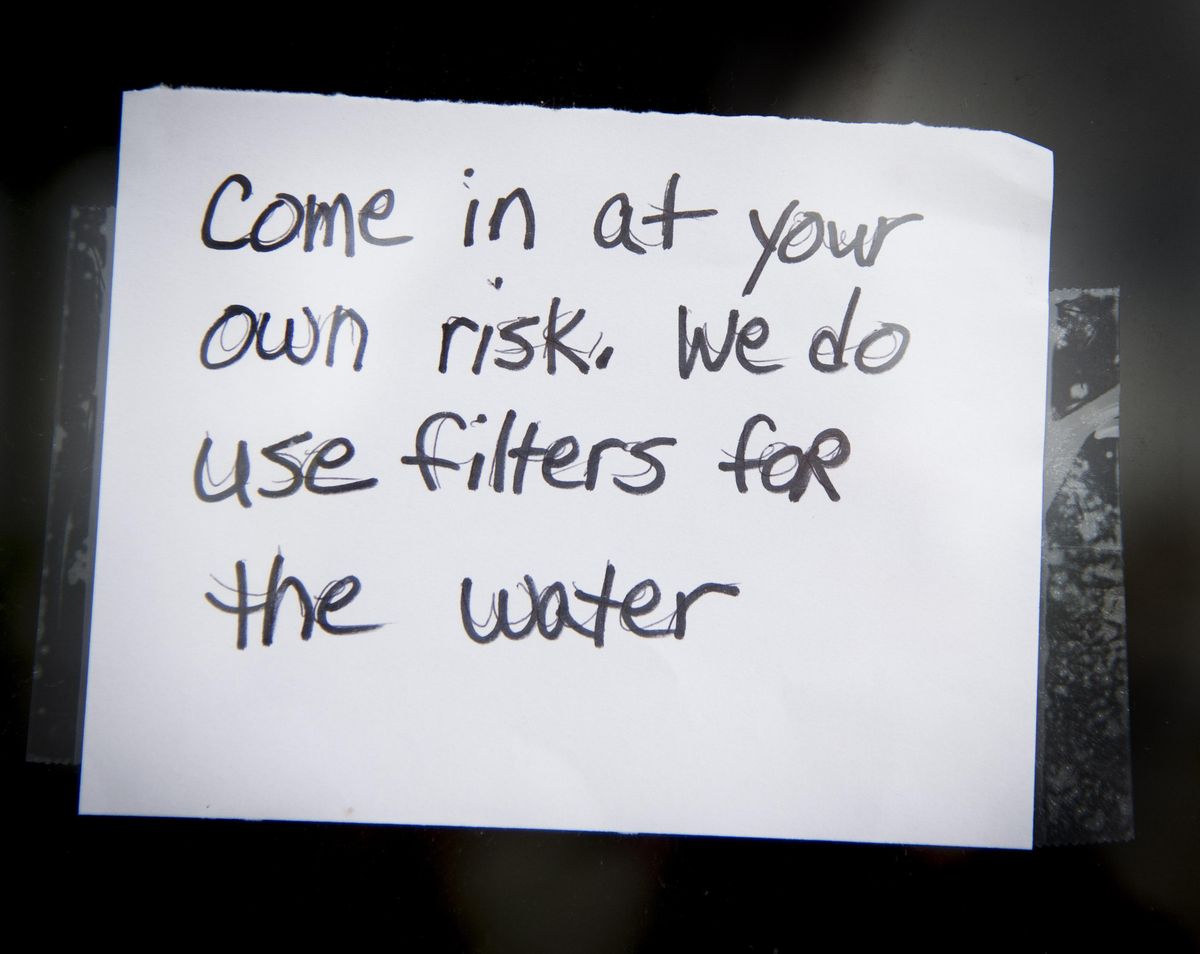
(1112, 89)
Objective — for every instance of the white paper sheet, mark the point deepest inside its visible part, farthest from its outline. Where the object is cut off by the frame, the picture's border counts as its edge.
(867, 669)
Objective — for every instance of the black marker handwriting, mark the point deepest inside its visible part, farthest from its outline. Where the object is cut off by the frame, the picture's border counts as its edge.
(560, 455)
(335, 596)
(808, 233)
(788, 461)
(513, 333)
(550, 610)
(306, 471)
(249, 329)
(309, 217)
(665, 217)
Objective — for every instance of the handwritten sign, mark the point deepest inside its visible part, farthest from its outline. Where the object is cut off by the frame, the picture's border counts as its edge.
(499, 466)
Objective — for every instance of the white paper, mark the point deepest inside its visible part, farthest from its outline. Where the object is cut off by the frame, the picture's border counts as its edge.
(873, 678)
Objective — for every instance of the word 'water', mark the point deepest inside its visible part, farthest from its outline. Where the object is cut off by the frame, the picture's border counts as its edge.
(550, 610)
